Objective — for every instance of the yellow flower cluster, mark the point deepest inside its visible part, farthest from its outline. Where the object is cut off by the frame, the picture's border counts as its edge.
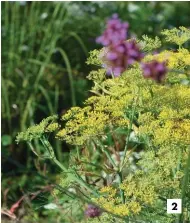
(114, 206)
(110, 201)
(167, 116)
(159, 176)
(100, 113)
(141, 190)
(52, 127)
(83, 125)
(109, 190)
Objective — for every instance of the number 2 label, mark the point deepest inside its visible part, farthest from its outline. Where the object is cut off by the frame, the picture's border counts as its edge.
(174, 206)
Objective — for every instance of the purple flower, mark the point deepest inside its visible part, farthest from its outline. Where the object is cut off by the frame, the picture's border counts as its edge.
(120, 53)
(116, 31)
(93, 211)
(118, 57)
(154, 70)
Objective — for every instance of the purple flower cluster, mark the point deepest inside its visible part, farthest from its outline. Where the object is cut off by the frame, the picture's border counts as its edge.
(93, 211)
(154, 70)
(115, 32)
(120, 56)
(120, 53)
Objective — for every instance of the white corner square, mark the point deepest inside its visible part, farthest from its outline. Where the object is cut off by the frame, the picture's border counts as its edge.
(174, 206)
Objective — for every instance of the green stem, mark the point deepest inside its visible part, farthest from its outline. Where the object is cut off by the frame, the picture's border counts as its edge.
(110, 158)
(128, 136)
(78, 152)
(125, 152)
(59, 150)
(84, 184)
(185, 184)
(97, 142)
(6, 102)
(116, 168)
(71, 79)
(62, 167)
(103, 89)
(32, 148)
(49, 148)
(121, 191)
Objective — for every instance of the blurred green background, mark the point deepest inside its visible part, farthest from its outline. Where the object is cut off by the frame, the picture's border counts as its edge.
(44, 49)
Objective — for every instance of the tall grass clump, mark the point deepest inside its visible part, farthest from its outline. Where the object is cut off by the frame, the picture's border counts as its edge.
(31, 78)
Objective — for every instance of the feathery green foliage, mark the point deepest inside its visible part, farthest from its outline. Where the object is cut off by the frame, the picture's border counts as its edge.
(148, 44)
(177, 36)
(48, 124)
